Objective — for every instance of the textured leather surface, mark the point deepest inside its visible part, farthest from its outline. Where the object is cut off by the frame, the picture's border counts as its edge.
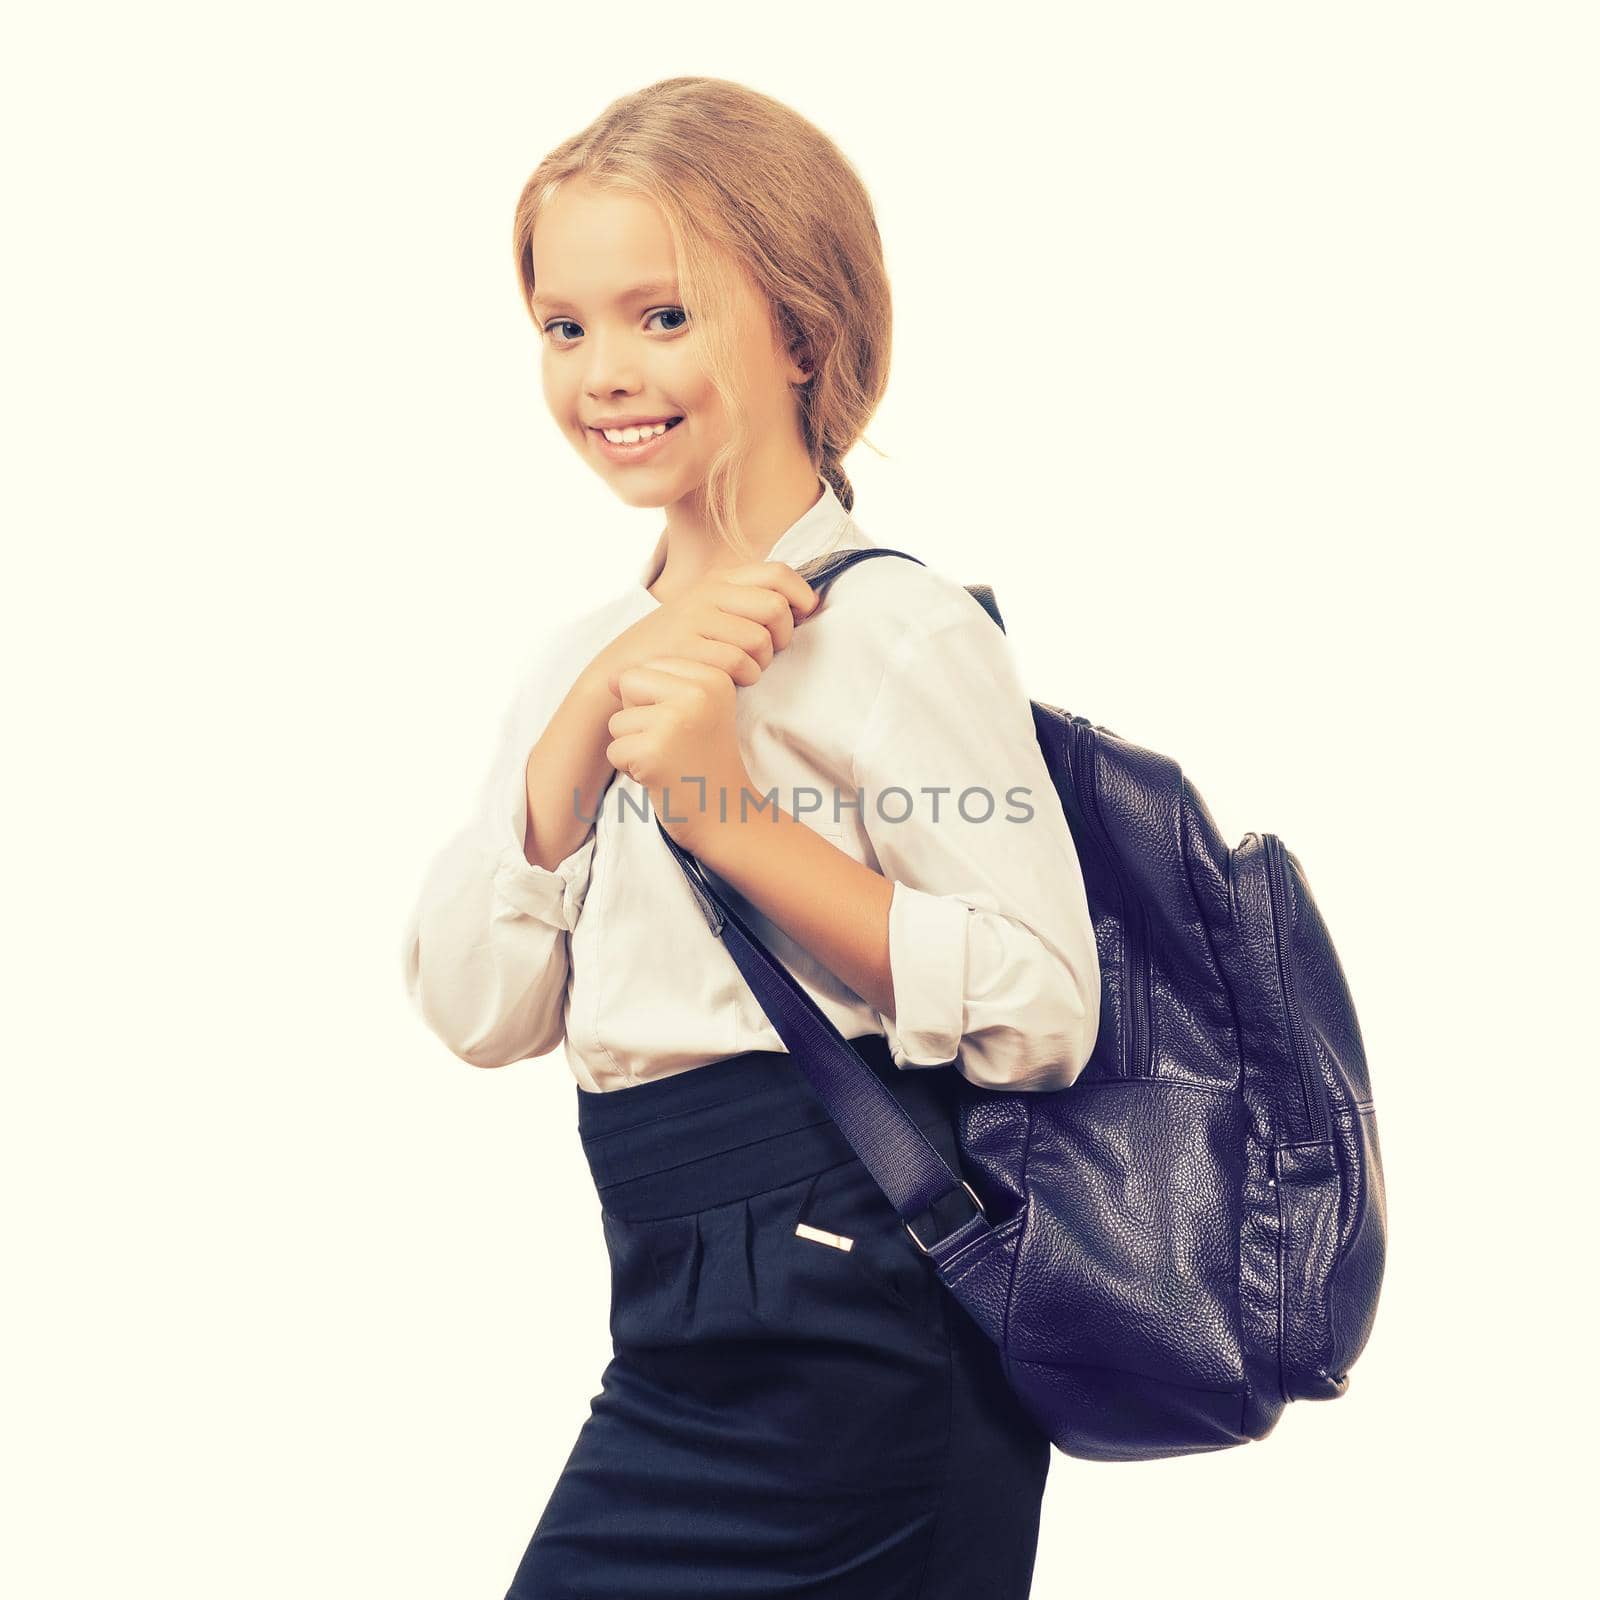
(1193, 1233)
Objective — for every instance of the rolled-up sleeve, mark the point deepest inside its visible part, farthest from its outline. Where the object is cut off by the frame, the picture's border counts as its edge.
(486, 948)
(991, 945)
(552, 895)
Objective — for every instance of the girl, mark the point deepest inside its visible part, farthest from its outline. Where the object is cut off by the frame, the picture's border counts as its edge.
(795, 1404)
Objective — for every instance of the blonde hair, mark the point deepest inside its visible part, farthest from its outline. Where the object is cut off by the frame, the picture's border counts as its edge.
(740, 177)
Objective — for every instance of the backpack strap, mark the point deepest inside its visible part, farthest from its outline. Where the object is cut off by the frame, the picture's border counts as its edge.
(913, 1175)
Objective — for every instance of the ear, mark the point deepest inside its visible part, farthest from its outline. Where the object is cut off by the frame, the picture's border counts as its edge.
(800, 363)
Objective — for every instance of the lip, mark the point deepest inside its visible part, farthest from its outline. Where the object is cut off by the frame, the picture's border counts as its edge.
(616, 421)
(628, 454)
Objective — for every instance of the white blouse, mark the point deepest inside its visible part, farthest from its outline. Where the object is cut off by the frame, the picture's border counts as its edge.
(895, 700)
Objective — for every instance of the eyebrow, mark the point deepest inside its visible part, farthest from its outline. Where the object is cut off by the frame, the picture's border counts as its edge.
(638, 292)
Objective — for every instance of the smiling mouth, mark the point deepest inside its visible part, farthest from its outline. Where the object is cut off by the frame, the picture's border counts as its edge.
(650, 438)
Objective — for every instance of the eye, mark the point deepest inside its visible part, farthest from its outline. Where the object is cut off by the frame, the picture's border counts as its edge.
(559, 322)
(670, 311)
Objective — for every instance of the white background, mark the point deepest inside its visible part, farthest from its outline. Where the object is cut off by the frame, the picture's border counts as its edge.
(1249, 351)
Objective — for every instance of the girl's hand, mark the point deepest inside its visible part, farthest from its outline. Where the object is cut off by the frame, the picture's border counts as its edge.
(675, 736)
(735, 620)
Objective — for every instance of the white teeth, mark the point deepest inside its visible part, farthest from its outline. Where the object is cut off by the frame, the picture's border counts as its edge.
(633, 435)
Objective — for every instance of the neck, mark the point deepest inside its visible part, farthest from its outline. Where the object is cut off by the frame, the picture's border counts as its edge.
(770, 503)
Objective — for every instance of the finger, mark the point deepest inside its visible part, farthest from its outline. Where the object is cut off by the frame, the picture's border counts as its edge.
(685, 668)
(621, 753)
(739, 665)
(728, 659)
(757, 621)
(780, 577)
(771, 608)
(661, 676)
(631, 719)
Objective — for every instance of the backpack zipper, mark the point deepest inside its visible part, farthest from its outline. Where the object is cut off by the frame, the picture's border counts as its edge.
(1317, 1122)
(1135, 981)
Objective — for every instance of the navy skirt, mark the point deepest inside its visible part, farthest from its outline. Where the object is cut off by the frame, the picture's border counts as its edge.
(781, 1415)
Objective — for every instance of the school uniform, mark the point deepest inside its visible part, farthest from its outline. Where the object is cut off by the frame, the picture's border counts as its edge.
(782, 1414)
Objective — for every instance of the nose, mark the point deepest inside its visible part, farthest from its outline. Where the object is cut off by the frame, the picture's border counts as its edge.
(610, 369)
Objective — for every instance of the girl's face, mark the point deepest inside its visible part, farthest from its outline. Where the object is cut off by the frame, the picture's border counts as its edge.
(616, 343)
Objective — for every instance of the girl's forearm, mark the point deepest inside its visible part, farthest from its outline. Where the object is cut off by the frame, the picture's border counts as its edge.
(567, 772)
(825, 900)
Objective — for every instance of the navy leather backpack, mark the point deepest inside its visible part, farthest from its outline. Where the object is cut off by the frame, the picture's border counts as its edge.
(1193, 1233)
